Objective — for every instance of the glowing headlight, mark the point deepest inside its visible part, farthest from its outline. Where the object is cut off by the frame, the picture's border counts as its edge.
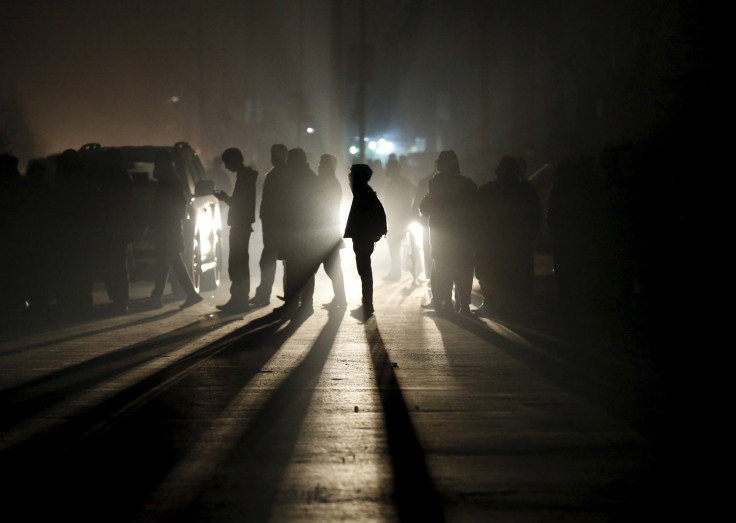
(416, 229)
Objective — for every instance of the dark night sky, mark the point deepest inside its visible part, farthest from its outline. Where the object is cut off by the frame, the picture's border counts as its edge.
(561, 75)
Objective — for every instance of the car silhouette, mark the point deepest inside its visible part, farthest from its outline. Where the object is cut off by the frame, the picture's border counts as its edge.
(202, 227)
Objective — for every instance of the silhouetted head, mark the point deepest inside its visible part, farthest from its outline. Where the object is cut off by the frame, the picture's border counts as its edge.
(8, 165)
(448, 163)
(232, 158)
(327, 164)
(508, 169)
(360, 173)
(278, 154)
(296, 157)
(68, 164)
(393, 167)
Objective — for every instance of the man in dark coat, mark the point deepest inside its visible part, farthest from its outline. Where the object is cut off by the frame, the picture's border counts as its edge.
(275, 189)
(450, 205)
(241, 216)
(511, 214)
(397, 198)
(115, 227)
(330, 236)
(299, 247)
(365, 225)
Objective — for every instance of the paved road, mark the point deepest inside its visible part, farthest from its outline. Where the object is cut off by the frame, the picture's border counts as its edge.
(176, 415)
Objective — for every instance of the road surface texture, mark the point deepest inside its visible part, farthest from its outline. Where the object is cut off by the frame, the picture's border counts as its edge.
(190, 416)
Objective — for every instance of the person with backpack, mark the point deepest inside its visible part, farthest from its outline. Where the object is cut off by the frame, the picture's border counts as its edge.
(365, 225)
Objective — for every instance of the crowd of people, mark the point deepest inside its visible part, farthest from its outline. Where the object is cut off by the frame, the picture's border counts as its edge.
(62, 235)
(487, 231)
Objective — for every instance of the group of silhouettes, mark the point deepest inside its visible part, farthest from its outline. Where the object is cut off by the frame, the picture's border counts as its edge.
(63, 232)
(488, 232)
(81, 227)
(300, 218)
(60, 236)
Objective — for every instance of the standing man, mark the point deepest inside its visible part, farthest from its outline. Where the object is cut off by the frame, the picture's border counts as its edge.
(116, 227)
(450, 204)
(241, 216)
(397, 196)
(512, 217)
(330, 238)
(275, 186)
(299, 245)
(366, 224)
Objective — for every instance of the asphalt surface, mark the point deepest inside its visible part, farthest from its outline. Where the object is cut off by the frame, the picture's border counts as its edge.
(187, 415)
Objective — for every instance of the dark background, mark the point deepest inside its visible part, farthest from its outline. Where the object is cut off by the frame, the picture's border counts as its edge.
(542, 79)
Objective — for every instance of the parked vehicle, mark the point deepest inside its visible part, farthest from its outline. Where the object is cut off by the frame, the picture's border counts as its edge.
(203, 225)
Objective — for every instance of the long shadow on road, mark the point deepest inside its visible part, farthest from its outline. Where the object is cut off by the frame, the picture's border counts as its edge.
(623, 389)
(103, 463)
(414, 493)
(30, 398)
(247, 481)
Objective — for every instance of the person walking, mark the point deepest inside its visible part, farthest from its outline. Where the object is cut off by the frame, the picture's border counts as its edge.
(241, 216)
(365, 225)
(167, 213)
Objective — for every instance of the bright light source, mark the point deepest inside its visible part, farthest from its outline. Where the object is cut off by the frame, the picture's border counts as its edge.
(353, 149)
(174, 99)
(372, 145)
(384, 147)
(310, 130)
(416, 229)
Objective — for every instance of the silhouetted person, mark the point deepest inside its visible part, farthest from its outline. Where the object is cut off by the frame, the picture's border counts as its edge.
(366, 224)
(275, 193)
(39, 226)
(397, 199)
(511, 217)
(241, 216)
(115, 200)
(72, 246)
(329, 239)
(299, 246)
(450, 205)
(12, 298)
(167, 213)
(422, 188)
